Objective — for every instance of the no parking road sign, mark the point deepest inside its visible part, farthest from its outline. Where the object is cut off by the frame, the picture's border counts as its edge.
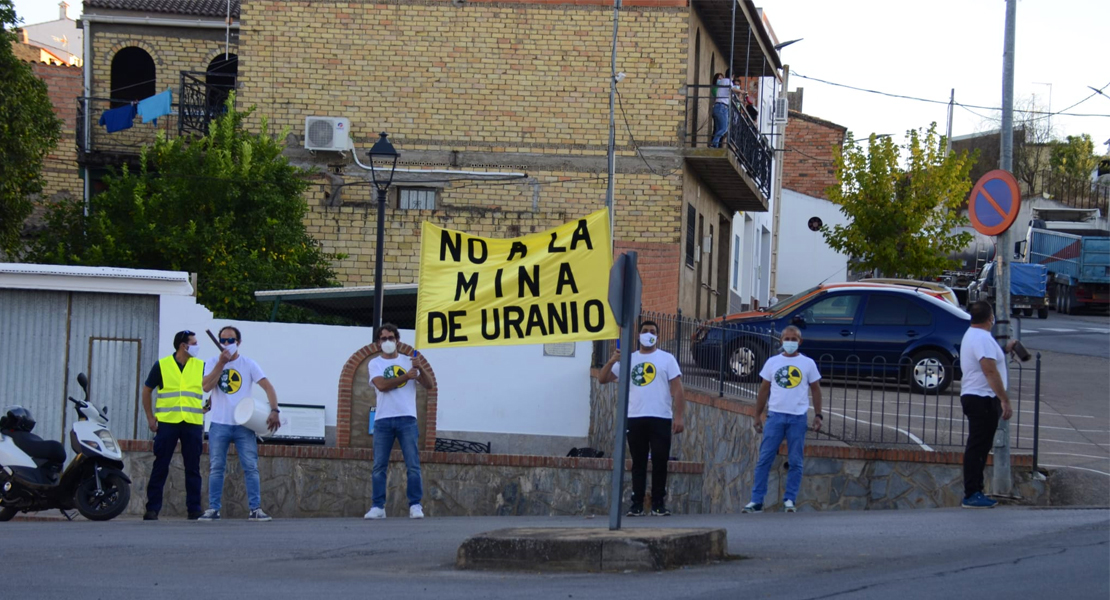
(994, 202)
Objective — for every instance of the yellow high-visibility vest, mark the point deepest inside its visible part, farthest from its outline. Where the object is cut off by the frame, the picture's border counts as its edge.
(181, 397)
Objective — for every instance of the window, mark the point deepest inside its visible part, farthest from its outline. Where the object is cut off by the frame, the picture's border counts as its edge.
(133, 76)
(834, 310)
(892, 310)
(691, 236)
(735, 262)
(416, 198)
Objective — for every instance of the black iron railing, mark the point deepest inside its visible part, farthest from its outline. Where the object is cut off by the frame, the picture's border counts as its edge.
(751, 148)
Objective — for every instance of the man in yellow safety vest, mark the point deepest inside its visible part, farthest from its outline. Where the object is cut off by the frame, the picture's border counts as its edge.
(176, 415)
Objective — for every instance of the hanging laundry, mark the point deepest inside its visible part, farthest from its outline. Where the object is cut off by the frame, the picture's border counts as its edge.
(118, 119)
(156, 106)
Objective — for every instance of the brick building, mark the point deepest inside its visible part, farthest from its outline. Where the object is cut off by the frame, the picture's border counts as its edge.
(479, 86)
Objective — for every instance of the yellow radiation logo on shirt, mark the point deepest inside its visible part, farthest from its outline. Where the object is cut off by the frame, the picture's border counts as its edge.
(394, 371)
(230, 381)
(788, 377)
(643, 374)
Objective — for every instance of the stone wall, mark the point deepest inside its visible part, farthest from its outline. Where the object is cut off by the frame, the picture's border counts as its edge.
(59, 170)
(332, 482)
(720, 436)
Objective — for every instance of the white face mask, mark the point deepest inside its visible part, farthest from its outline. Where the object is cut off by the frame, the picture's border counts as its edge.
(790, 347)
(389, 347)
(232, 348)
(647, 339)
(193, 350)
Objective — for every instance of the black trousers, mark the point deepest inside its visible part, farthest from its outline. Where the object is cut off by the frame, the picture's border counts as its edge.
(165, 441)
(649, 434)
(982, 414)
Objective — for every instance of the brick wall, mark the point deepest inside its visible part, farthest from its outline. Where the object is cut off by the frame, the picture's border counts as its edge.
(60, 167)
(808, 168)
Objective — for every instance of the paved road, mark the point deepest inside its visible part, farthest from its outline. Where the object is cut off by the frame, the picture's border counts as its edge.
(1086, 335)
(1006, 552)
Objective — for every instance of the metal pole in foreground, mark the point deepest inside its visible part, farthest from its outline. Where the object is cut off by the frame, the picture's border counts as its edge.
(620, 424)
(612, 122)
(1002, 483)
(1037, 413)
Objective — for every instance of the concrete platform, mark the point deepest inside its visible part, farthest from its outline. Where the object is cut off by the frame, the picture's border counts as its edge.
(591, 549)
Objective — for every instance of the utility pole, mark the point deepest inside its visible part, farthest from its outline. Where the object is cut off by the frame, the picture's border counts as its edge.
(1002, 483)
(612, 124)
(776, 190)
(948, 132)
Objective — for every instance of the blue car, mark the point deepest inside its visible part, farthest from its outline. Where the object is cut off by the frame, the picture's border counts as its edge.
(885, 329)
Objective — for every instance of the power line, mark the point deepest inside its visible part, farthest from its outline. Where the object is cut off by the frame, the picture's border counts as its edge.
(945, 102)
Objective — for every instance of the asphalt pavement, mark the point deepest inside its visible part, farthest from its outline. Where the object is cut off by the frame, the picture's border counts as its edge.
(1002, 553)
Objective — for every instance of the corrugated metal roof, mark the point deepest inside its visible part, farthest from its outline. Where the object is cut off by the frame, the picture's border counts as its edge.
(94, 279)
(202, 8)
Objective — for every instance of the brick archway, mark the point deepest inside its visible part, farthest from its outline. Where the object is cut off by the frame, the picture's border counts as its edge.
(346, 421)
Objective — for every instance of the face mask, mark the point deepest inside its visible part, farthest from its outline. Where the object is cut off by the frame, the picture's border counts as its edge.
(790, 347)
(193, 350)
(647, 339)
(389, 347)
(232, 348)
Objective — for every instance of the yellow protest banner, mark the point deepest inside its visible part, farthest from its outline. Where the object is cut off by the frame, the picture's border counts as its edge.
(538, 289)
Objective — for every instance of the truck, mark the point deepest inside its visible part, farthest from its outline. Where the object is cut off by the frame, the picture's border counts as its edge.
(1028, 288)
(1074, 245)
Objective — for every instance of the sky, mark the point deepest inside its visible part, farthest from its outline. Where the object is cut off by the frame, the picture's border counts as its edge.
(922, 49)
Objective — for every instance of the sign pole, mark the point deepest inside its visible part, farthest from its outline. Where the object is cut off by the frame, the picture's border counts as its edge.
(624, 299)
(1002, 483)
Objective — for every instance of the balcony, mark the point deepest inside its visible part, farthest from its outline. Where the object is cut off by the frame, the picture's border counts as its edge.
(196, 105)
(739, 172)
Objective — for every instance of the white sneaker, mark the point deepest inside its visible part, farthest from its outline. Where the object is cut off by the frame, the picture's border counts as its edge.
(375, 513)
(788, 506)
(416, 512)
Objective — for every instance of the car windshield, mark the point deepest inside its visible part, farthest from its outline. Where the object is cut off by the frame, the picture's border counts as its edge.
(782, 304)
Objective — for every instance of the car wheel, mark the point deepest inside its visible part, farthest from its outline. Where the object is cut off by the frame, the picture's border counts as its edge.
(930, 372)
(1042, 313)
(745, 357)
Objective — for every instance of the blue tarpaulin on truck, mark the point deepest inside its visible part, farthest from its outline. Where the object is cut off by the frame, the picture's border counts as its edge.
(1028, 280)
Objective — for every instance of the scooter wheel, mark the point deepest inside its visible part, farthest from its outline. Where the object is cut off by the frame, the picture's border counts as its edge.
(7, 513)
(107, 504)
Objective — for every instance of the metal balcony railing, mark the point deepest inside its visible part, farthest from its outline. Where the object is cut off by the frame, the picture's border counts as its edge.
(751, 148)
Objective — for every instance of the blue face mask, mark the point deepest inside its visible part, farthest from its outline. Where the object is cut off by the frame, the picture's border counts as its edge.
(790, 347)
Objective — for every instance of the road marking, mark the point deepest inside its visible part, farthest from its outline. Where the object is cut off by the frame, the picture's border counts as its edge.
(1024, 331)
(1078, 468)
(913, 437)
(1058, 330)
(1079, 455)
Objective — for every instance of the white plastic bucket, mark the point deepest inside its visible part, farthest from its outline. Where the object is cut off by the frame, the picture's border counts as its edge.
(252, 414)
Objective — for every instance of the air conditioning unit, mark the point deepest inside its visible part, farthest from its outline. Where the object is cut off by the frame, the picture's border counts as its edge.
(782, 110)
(327, 133)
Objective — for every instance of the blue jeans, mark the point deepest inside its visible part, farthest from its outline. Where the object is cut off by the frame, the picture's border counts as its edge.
(405, 431)
(192, 440)
(221, 436)
(779, 426)
(720, 123)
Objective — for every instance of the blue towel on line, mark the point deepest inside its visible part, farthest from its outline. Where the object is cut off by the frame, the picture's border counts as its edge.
(118, 119)
(158, 105)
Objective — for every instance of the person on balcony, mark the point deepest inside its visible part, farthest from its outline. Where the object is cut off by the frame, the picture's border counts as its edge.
(723, 88)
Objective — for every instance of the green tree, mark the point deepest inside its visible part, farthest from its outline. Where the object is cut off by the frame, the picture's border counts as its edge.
(227, 206)
(1074, 157)
(901, 211)
(28, 131)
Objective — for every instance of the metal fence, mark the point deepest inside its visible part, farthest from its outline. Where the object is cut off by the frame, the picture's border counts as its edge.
(872, 403)
(743, 138)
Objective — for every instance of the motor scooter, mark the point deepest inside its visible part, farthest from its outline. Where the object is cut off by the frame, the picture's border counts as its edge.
(31, 469)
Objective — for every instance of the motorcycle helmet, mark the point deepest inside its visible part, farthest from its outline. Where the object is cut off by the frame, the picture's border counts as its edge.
(17, 419)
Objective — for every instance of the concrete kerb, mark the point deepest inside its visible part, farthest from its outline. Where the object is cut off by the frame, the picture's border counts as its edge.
(591, 549)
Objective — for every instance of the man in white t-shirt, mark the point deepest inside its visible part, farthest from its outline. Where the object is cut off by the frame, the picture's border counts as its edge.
(231, 378)
(789, 379)
(394, 378)
(656, 387)
(983, 398)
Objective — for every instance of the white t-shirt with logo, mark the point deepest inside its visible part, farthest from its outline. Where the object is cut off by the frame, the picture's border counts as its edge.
(399, 401)
(650, 392)
(236, 383)
(790, 377)
(977, 345)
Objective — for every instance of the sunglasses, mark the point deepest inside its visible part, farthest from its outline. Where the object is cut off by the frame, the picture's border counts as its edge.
(228, 340)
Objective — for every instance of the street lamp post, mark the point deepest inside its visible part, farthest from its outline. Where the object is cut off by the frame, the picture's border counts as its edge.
(382, 153)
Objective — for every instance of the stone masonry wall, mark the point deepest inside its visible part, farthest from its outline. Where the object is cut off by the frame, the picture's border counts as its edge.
(329, 482)
(813, 172)
(64, 85)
